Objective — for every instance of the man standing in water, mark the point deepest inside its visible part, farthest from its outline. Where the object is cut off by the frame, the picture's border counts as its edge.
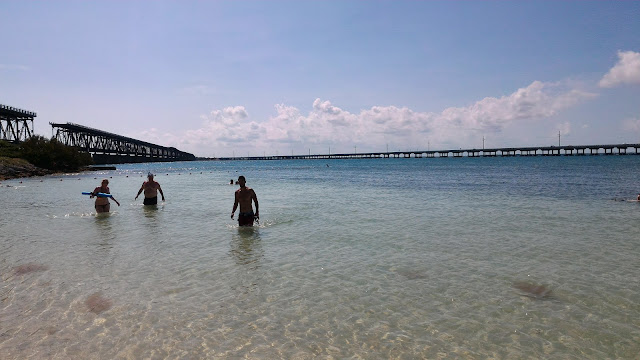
(244, 195)
(151, 189)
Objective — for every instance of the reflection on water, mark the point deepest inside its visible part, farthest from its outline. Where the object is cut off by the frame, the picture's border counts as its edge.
(151, 220)
(246, 246)
(150, 211)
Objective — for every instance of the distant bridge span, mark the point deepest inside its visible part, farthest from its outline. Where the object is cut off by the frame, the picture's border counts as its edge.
(566, 150)
(109, 148)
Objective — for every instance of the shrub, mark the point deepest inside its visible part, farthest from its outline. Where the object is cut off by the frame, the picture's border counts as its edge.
(9, 150)
(53, 155)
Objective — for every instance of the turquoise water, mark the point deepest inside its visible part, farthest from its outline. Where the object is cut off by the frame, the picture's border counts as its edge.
(379, 258)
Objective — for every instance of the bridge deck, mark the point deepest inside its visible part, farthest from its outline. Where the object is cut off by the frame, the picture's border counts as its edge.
(568, 150)
(107, 147)
(16, 125)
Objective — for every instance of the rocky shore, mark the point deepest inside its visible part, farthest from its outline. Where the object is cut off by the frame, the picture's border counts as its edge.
(12, 168)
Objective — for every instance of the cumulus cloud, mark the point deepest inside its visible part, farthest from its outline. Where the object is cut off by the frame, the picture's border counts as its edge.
(327, 125)
(631, 124)
(538, 100)
(626, 71)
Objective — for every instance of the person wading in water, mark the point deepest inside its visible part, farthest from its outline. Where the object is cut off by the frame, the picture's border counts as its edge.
(151, 188)
(244, 196)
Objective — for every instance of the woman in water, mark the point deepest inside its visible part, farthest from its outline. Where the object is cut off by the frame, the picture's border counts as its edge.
(102, 202)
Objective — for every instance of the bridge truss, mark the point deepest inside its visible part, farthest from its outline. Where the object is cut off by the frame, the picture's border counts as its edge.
(119, 149)
(16, 125)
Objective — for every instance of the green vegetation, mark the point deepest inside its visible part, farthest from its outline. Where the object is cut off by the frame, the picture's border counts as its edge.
(9, 150)
(47, 154)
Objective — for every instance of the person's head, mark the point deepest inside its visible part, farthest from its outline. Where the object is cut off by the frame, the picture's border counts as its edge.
(150, 175)
(105, 182)
(241, 180)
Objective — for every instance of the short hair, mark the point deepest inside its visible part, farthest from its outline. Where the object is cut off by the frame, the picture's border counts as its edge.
(241, 178)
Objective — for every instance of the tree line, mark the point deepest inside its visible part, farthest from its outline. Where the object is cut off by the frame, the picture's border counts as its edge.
(48, 154)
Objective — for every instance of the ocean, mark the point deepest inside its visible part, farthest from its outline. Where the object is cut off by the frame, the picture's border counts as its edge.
(444, 258)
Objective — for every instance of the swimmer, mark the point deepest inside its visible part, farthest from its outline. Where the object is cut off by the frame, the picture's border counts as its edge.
(243, 197)
(102, 204)
(150, 188)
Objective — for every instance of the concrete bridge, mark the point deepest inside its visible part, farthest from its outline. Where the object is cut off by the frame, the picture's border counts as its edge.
(566, 150)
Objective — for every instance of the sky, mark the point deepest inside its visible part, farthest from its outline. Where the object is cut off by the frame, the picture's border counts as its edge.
(237, 78)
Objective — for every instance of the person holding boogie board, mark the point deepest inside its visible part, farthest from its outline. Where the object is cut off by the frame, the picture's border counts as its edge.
(102, 202)
(150, 188)
(244, 196)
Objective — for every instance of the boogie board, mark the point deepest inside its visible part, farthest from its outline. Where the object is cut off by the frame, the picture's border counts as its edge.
(98, 194)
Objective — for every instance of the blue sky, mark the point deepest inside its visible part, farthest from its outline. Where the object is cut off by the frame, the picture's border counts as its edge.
(218, 78)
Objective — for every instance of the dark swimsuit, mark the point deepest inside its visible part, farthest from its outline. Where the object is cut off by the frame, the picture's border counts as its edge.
(103, 208)
(245, 219)
(151, 201)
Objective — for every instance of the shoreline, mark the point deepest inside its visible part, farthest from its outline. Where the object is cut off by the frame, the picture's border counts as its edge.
(15, 168)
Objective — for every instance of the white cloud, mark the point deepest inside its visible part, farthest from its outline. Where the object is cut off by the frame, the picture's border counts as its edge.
(327, 125)
(631, 124)
(626, 71)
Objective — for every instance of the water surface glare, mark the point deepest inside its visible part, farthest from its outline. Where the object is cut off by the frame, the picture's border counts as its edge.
(506, 258)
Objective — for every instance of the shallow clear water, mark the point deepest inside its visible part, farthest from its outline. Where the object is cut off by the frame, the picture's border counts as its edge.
(380, 258)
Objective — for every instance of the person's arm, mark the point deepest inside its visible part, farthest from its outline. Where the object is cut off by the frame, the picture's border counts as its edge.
(161, 193)
(235, 206)
(255, 200)
(139, 191)
(114, 199)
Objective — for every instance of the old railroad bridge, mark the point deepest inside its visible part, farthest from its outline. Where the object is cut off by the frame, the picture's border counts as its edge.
(109, 148)
(16, 125)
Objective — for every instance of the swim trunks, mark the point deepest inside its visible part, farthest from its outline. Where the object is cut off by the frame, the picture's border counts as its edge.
(150, 201)
(103, 208)
(245, 219)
